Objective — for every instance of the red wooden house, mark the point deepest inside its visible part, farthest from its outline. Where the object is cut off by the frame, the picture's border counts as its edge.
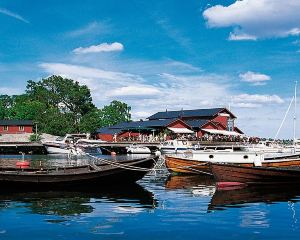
(16, 126)
(197, 122)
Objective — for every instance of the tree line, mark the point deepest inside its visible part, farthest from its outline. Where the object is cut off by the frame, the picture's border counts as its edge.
(59, 105)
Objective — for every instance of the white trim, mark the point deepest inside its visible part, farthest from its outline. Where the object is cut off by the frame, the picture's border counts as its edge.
(222, 132)
(180, 130)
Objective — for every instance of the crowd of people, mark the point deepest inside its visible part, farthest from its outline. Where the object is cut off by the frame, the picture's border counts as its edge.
(191, 137)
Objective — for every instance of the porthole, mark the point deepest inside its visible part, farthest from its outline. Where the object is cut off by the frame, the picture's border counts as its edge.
(246, 157)
(211, 156)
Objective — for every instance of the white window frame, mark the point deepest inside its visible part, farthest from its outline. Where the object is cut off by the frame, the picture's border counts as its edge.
(21, 128)
(5, 128)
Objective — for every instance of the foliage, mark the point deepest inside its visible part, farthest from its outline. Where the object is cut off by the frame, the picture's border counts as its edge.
(5, 104)
(35, 138)
(60, 105)
(91, 121)
(115, 113)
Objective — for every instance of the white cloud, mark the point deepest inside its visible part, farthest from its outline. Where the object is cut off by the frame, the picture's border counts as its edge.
(92, 28)
(103, 47)
(254, 19)
(105, 85)
(241, 37)
(257, 98)
(246, 105)
(10, 91)
(135, 91)
(12, 14)
(256, 79)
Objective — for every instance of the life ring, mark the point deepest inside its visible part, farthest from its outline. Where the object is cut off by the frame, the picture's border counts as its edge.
(22, 164)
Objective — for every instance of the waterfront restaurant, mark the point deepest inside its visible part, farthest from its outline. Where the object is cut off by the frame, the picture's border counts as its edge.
(16, 126)
(194, 123)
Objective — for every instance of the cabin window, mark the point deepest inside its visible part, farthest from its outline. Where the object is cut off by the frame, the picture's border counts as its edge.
(211, 156)
(5, 128)
(21, 128)
(246, 157)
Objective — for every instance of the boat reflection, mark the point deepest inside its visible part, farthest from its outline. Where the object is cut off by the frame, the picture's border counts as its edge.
(239, 197)
(222, 199)
(202, 185)
(68, 203)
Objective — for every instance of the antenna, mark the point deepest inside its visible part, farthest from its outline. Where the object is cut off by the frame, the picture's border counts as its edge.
(295, 112)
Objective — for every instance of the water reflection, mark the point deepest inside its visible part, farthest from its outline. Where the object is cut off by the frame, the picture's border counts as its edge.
(237, 197)
(78, 203)
(253, 194)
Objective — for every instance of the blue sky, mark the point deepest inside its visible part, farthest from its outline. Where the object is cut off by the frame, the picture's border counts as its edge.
(158, 55)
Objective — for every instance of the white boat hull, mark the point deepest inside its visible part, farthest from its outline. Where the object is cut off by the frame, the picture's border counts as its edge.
(138, 150)
(57, 150)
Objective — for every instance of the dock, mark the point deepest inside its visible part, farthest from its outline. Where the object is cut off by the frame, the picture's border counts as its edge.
(15, 148)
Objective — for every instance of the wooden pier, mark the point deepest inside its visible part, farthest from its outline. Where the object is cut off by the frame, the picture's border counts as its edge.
(15, 148)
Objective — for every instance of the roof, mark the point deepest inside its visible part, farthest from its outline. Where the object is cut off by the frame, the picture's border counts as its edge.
(196, 123)
(107, 130)
(136, 126)
(16, 123)
(209, 112)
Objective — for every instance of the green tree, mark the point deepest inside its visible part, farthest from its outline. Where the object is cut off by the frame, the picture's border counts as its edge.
(5, 104)
(115, 113)
(24, 108)
(91, 121)
(66, 95)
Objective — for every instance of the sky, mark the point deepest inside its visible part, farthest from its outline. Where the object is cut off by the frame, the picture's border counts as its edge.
(161, 54)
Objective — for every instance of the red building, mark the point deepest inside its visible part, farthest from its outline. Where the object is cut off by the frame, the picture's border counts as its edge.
(196, 122)
(16, 126)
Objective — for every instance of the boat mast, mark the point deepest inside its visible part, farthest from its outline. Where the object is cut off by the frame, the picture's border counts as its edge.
(295, 111)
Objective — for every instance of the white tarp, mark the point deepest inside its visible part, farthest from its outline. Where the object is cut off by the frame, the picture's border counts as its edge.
(222, 132)
(180, 130)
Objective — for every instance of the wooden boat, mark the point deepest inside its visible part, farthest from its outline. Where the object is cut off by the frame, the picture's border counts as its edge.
(232, 173)
(89, 176)
(188, 165)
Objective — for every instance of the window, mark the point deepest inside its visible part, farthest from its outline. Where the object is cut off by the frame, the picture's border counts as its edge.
(230, 125)
(21, 128)
(5, 128)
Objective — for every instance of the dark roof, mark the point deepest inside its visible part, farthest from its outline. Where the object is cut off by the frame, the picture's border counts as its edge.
(210, 112)
(196, 123)
(16, 123)
(107, 130)
(136, 125)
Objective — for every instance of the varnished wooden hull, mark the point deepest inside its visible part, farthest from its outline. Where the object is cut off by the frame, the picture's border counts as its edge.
(189, 166)
(254, 175)
(181, 165)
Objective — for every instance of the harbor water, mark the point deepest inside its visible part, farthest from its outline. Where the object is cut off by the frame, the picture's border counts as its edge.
(160, 206)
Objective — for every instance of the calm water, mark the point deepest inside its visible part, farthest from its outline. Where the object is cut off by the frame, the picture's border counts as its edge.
(158, 207)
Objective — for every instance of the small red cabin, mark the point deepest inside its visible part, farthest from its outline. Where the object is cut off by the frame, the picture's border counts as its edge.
(16, 126)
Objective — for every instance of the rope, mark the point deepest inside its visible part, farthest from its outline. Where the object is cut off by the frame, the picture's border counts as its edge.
(116, 164)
